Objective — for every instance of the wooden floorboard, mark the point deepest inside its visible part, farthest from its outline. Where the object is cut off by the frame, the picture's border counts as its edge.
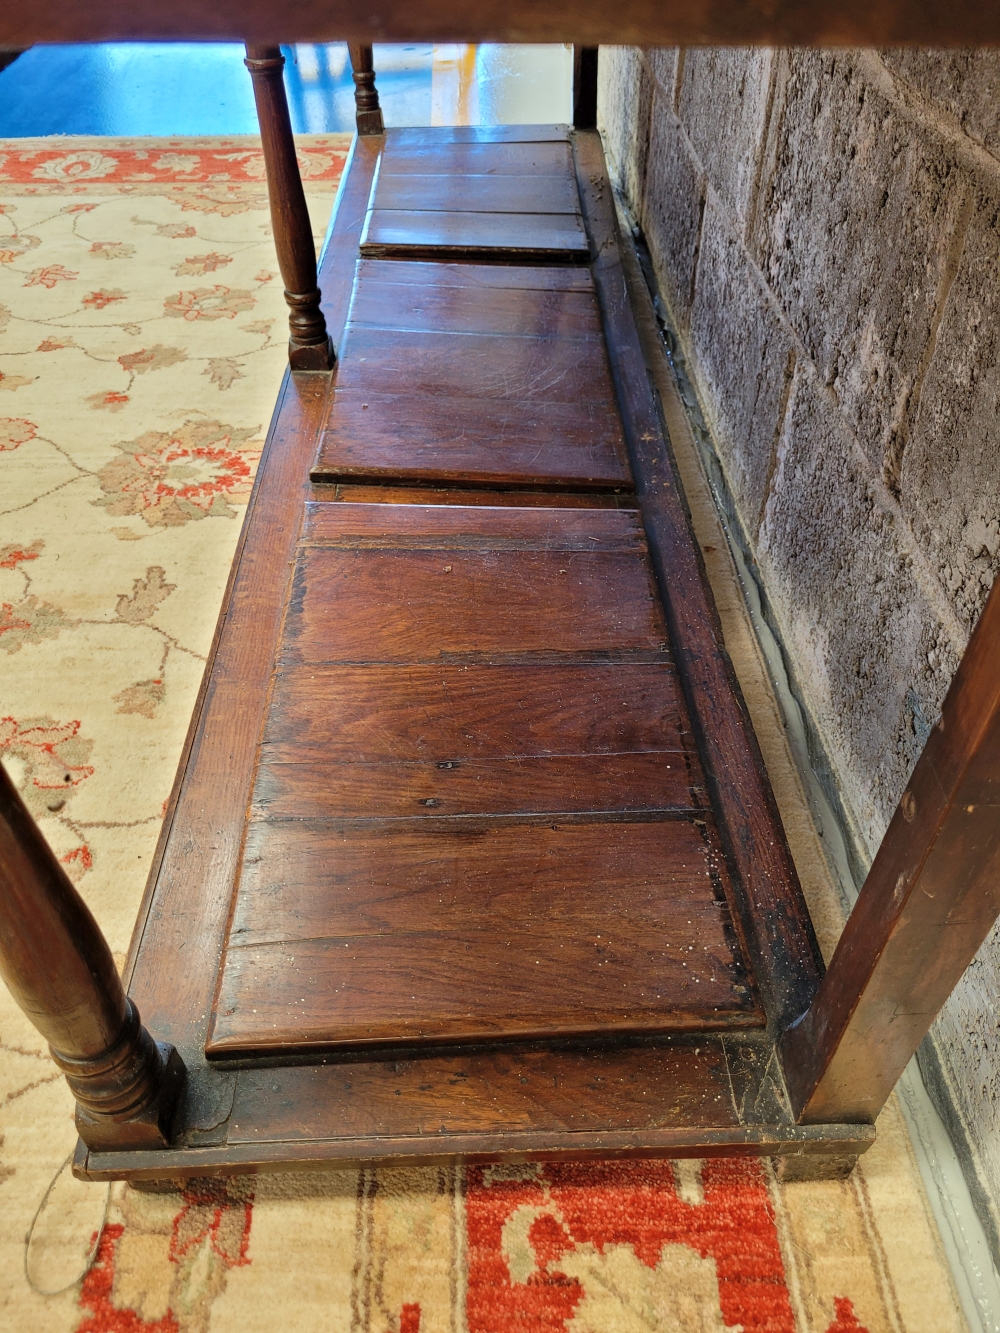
(459, 712)
(400, 233)
(478, 194)
(353, 935)
(381, 302)
(436, 157)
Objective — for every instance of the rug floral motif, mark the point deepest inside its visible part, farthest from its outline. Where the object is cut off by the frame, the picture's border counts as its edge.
(142, 343)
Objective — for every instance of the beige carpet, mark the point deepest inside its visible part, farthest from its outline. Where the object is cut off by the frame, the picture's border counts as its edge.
(142, 335)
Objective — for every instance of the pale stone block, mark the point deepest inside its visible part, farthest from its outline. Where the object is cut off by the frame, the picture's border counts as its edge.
(624, 92)
(723, 106)
(868, 652)
(854, 222)
(950, 475)
(671, 208)
(743, 360)
(964, 84)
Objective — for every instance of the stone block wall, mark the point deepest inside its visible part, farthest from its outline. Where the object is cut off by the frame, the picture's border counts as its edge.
(825, 231)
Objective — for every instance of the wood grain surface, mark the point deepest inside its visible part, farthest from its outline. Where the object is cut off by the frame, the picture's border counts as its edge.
(471, 158)
(438, 274)
(380, 302)
(445, 873)
(490, 385)
(444, 193)
(356, 935)
(771, 910)
(545, 237)
(840, 23)
(451, 713)
(448, 731)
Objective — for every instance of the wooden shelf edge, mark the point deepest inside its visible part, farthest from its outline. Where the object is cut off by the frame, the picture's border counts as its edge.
(814, 1141)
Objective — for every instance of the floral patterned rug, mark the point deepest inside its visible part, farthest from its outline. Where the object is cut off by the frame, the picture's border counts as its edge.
(142, 342)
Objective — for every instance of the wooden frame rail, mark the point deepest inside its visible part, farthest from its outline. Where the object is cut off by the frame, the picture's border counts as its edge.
(630, 22)
(928, 903)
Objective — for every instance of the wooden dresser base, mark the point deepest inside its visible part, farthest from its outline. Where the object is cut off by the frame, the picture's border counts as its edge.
(471, 852)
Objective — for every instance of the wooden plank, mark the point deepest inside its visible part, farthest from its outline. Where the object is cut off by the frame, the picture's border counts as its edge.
(458, 713)
(475, 365)
(840, 23)
(430, 527)
(438, 274)
(410, 136)
(657, 1097)
(415, 493)
(928, 903)
(772, 912)
(655, 782)
(411, 606)
(382, 303)
(187, 899)
(344, 935)
(544, 236)
(478, 194)
(476, 159)
(471, 442)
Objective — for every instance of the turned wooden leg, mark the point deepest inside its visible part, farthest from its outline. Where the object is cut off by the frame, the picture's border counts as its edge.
(585, 87)
(309, 345)
(369, 113)
(60, 971)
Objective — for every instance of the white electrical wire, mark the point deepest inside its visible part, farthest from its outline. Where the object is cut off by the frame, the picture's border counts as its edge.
(92, 1253)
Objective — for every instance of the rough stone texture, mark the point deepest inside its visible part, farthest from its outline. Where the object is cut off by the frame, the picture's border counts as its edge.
(950, 480)
(670, 209)
(743, 382)
(664, 64)
(854, 225)
(864, 642)
(967, 1046)
(864, 251)
(626, 86)
(964, 84)
(723, 106)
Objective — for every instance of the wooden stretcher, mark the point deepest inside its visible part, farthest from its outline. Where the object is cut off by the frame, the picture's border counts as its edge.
(471, 852)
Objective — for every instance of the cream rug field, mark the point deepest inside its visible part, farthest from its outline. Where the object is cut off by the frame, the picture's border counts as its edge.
(142, 333)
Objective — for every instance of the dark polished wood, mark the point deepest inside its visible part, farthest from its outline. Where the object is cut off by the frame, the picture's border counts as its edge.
(930, 899)
(949, 23)
(544, 238)
(361, 934)
(437, 198)
(497, 366)
(785, 957)
(585, 87)
(60, 971)
(369, 113)
(405, 155)
(387, 901)
(526, 402)
(446, 730)
(309, 345)
(444, 193)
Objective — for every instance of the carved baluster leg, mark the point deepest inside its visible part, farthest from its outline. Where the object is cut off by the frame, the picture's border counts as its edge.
(309, 346)
(369, 113)
(60, 971)
(585, 87)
